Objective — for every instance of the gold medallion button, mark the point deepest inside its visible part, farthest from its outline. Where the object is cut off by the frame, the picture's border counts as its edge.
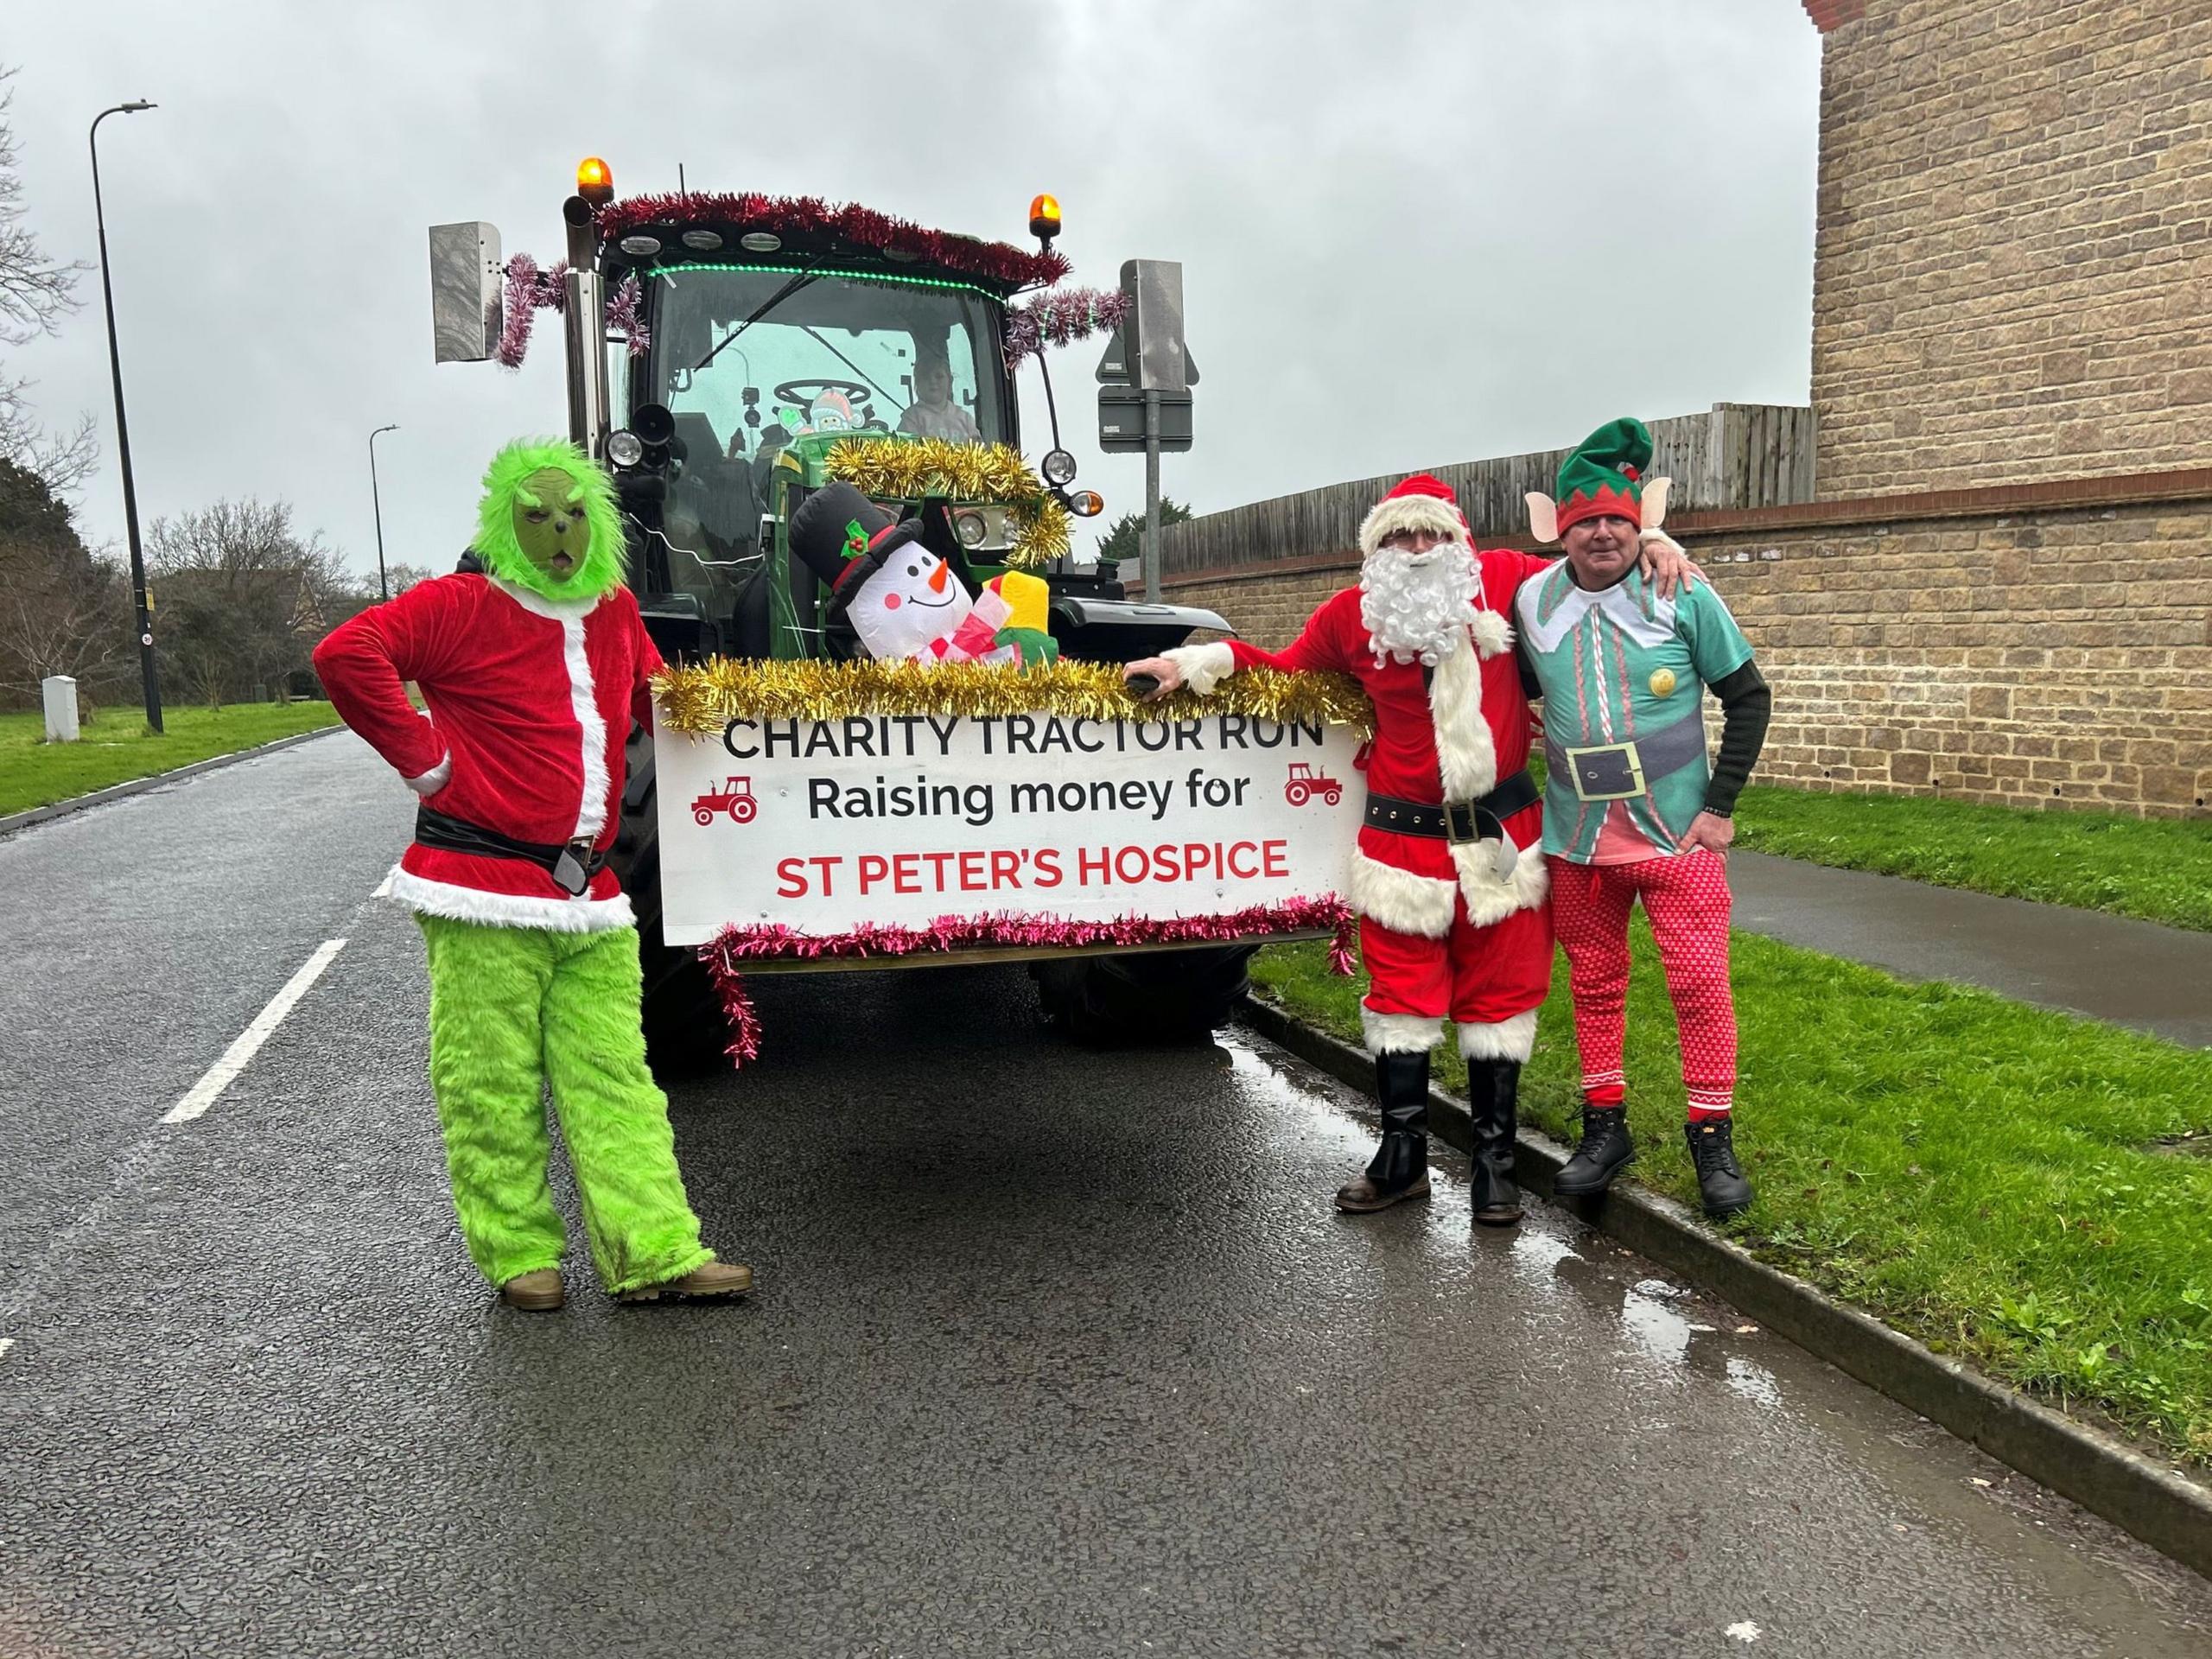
(1663, 682)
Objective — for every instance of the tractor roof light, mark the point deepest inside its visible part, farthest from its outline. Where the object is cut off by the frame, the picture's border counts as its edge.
(640, 245)
(1058, 467)
(594, 180)
(702, 241)
(760, 242)
(1045, 219)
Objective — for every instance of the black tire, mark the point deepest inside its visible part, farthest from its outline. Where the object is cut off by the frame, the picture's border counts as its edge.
(1145, 996)
(685, 1032)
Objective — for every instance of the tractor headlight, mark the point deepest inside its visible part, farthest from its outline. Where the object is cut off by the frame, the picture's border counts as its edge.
(1058, 467)
(625, 448)
(970, 528)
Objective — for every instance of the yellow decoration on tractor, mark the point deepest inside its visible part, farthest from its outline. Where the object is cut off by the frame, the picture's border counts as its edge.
(913, 469)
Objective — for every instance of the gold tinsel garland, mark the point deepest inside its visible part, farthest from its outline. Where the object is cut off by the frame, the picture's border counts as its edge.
(913, 468)
(702, 698)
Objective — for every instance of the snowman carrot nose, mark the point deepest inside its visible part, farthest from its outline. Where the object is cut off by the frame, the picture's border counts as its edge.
(938, 576)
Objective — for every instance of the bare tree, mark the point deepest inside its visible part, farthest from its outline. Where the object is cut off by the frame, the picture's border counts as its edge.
(63, 610)
(241, 596)
(36, 292)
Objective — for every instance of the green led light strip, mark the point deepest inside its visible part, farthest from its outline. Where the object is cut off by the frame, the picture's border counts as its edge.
(671, 271)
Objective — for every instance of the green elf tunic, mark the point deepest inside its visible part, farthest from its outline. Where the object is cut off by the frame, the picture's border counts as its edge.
(1624, 673)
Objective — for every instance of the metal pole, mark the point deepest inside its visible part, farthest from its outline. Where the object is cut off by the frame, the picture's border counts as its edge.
(149, 669)
(1152, 497)
(383, 591)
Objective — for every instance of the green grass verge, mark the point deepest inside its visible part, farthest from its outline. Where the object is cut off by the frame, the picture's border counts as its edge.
(1969, 1169)
(116, 746)
(2160, 869)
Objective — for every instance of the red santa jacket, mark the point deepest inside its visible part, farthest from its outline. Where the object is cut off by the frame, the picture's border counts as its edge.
(531, 701)
(1456, 738)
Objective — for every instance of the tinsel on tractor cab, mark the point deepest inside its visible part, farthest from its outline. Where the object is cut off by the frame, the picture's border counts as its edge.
(729, 356)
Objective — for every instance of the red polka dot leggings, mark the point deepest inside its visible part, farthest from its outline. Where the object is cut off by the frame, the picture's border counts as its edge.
(1687, 899)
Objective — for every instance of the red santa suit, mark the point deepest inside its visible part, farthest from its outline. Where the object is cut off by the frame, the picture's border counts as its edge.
(530, 703)
(1444, 931)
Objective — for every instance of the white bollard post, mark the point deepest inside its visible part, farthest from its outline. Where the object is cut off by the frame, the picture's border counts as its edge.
(60, 707)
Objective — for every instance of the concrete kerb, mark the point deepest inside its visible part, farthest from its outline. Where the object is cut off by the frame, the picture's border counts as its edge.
(38, 815)
(2158, 1504)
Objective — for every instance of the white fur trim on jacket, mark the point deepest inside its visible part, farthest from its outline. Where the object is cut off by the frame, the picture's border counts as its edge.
(459, 904)
(1465, 755)
(1204, 667)
(1491, 897)
(1400, 1034)
(435, 779)
(1509, 1039)
(1399, 899)
(1398, 512)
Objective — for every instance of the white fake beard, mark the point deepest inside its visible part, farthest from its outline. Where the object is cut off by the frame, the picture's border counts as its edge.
(1416, 606)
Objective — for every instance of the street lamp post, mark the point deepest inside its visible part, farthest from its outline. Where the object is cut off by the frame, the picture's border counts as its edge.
(149, 672)
(383, 591)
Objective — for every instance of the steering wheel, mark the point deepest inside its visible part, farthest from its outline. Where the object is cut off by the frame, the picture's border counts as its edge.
(857, 392)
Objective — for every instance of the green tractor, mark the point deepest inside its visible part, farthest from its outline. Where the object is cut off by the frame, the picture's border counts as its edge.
(719, 348)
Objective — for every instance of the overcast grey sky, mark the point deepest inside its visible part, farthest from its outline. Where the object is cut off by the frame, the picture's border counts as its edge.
(1411, 233)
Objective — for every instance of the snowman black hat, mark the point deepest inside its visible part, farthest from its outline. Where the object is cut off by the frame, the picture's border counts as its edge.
(844, 538)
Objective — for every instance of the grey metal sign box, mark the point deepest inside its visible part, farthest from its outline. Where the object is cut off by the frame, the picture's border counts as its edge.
(1120, 420)
(1152, 331)
(465, 290)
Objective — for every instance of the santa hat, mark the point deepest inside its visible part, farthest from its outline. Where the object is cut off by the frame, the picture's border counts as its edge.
(843, 537)
(1419, 503)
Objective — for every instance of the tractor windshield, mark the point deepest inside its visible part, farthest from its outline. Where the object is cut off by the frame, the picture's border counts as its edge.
(745, 358)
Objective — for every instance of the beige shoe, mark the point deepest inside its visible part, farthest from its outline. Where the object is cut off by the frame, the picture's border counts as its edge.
(534, 1293)
(715, 1279)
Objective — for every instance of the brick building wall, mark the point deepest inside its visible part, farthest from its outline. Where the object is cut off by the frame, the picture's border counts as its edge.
(2014, 254)
(2025, 654)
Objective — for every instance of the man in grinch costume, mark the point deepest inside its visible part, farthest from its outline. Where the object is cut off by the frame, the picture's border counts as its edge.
(532, 669)
(1447, 880)
(1631, 809)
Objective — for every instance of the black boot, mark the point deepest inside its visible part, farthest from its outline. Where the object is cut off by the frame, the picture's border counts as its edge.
(1399, 1170)
(1721, 1180)
(1606, 1151)
(1493, 1102)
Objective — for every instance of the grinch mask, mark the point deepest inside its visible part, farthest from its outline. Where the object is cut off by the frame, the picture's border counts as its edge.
(548, 521)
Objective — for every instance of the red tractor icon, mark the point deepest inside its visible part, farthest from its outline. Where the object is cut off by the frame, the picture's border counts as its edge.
(1305, 784)
(734, 797)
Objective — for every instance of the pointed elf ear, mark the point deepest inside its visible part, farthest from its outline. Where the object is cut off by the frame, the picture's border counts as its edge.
(1654, 502)
(1543, 516)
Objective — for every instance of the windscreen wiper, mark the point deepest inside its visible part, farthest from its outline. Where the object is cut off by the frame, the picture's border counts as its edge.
(818, 339)
(797, 282)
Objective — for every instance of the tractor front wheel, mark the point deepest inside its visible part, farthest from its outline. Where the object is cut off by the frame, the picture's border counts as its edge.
(1144, 997)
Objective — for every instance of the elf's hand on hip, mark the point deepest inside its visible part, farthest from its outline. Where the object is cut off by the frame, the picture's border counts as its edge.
(1708, 830)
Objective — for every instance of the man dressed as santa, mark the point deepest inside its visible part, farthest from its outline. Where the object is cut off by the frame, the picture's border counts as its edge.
(1448, 880)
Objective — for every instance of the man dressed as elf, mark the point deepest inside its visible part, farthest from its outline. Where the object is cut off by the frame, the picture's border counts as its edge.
(1631, 811)
(532, 669)
(1447, 880)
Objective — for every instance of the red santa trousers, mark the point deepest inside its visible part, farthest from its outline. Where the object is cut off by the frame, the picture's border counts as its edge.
(1687, 899)
(1488, 981)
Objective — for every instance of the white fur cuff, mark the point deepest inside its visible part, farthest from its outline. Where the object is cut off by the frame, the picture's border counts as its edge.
(1509, 1039)
(1399, 899)
(1400, 1034)
(435, 780)
(1204, 667)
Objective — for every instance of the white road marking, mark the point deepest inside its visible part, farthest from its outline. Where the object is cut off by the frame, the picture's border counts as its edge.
(236, 1057)
(1744, 1632)
(6, 1342)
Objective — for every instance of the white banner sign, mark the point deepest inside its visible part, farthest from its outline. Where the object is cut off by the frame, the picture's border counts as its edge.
(828, 825)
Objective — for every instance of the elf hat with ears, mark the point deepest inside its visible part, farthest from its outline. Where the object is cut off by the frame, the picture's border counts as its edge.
(1602, 477)
(844, 537)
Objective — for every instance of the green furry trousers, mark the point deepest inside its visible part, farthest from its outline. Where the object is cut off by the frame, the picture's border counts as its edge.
(514, 1009)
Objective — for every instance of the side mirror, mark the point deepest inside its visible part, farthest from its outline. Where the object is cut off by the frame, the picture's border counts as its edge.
(465, 279)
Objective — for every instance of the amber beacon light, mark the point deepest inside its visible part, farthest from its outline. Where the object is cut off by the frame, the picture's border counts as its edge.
(1045, 219)
(594, 180)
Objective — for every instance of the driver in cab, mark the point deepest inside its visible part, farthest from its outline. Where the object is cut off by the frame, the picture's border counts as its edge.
(933, 414)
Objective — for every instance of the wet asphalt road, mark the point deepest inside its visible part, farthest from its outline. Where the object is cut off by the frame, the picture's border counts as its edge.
(1053, 1353)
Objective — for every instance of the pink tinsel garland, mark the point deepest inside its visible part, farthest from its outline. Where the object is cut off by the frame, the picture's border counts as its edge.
(530, 290)
(997, 262)
(1061, 318)
(622, 315)
(733, 947)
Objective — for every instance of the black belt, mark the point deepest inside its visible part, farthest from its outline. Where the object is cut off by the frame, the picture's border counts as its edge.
(571, 865)
(1455, 821)
(1620, 772)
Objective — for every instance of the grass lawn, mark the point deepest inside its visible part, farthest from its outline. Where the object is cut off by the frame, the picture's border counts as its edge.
(116, 746)
(1971, 1169)
(2160, 869)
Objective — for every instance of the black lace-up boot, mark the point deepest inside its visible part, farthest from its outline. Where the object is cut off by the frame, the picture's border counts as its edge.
(1493, 1102)
(1606, 1151)
(1721, 1180)
(1399, 1170)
